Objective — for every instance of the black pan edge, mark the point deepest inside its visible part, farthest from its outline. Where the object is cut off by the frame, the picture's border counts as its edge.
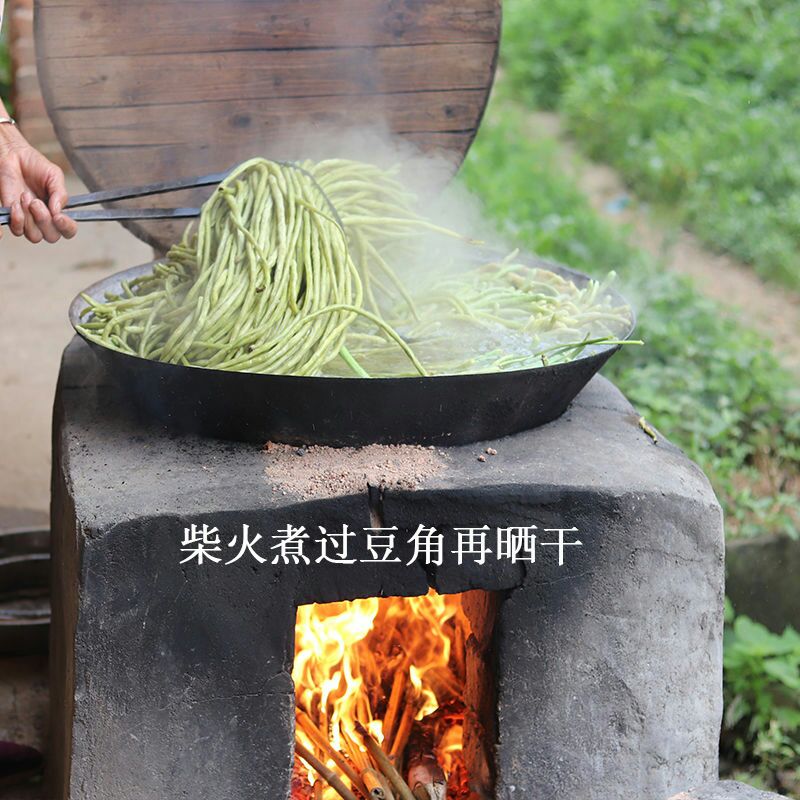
(337, 411)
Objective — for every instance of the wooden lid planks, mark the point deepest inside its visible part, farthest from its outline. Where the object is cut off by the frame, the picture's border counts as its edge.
(144, 91)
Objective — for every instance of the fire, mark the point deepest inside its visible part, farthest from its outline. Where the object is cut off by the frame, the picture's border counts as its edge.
(392, 665)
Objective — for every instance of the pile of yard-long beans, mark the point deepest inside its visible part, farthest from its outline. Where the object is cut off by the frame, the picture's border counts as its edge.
(295, 269)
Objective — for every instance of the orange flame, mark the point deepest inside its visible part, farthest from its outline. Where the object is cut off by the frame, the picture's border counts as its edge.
(347, 657)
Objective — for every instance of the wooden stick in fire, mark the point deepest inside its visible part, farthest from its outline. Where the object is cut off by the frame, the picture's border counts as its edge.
(325, 772)
(385, 764)
(403, 729)
(373, 783)
(431, 791)
(322, 741)
(458, 651)
(387, 787)
(359, 761)
(396, 695)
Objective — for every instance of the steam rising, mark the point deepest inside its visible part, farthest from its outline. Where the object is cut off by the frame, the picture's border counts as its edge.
(447, 203)
(420, 285)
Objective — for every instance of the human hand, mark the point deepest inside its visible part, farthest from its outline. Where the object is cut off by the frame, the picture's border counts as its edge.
(33, 187)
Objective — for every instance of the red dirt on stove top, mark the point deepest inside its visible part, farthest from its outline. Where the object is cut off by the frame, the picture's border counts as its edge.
(311, 472)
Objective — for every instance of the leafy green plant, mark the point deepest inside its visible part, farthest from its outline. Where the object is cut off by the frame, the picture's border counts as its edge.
(6, 76)
(697, 103)
(761, 723)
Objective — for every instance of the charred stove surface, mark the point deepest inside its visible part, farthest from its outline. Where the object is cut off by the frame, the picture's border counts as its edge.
(174, 680)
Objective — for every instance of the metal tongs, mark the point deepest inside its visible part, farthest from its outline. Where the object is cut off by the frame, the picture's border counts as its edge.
(126, 193)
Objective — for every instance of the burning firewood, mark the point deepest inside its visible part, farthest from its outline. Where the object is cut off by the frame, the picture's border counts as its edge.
(307, 725)
(384, 763)
(325, 772)
(428, 780)
(372, 781)
(358, 706)
(399, 683)
(403, 730)
(444, 682)
(445, 717)
(457, 783)
(387, 788)
(372, 784)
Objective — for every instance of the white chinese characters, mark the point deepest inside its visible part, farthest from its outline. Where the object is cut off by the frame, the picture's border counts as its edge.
(294, 545)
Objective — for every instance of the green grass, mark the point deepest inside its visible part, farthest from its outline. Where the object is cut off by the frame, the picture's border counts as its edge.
(696, 103)
(709, 383)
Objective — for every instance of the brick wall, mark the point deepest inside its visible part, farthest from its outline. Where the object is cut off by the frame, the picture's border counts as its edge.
(29, 107)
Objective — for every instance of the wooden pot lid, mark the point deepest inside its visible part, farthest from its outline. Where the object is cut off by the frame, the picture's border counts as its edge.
(148, 90)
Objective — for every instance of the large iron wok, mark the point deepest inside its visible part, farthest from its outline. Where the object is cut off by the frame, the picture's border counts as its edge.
(440, 410)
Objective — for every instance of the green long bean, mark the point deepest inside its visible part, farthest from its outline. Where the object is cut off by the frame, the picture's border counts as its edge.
(296, 269)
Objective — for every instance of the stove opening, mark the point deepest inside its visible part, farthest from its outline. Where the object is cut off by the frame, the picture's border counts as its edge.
(395, 684)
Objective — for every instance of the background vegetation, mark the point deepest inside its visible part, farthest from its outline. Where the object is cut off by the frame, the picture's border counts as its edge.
(5, 65)
(697, 104)
(760, 738)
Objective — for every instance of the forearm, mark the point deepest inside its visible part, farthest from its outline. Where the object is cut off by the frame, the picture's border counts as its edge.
(10, 136)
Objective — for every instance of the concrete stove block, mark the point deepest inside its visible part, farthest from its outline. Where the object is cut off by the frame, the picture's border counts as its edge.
(173, 681)
(725, 790)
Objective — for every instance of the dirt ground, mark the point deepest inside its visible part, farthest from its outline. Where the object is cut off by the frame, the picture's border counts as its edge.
(37, 283)
(771, 309)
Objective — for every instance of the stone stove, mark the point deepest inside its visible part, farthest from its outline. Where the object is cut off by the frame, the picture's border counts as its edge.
(174, 681)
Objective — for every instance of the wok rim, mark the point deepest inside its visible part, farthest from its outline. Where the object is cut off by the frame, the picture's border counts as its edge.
(97, 289)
